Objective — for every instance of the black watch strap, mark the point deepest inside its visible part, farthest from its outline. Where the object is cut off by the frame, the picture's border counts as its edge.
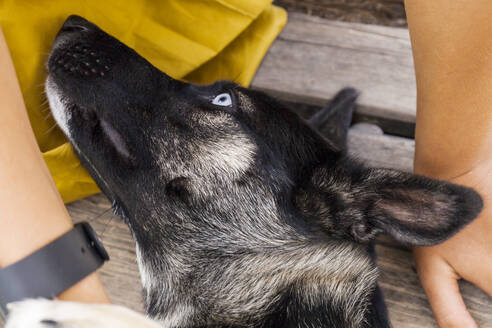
(54, 268)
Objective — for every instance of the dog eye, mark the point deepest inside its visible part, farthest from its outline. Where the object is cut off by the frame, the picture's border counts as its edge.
(224, 99)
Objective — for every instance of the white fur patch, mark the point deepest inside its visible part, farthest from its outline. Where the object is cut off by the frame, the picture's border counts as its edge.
(234, 155)
(178, 317)
(58, 106)
(144, 271)
(31, 313)
(228, 157)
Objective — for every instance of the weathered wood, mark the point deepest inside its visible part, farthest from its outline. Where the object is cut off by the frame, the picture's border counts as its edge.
(368, 128)
(406, 300)
(405, 297)
(389, 126)
(382, 150)
(381, 12)
(314, 58)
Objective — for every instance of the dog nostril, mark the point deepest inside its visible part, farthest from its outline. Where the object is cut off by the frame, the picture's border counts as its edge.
(74, 28)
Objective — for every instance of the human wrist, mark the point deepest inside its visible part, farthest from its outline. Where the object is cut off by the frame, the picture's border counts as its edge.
(477, 177)
(449, 167)
(88, 290)
(64, 267)
(20, 243)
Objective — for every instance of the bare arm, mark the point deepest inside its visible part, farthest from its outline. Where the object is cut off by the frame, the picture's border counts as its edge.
(32, 212)
(452, 47)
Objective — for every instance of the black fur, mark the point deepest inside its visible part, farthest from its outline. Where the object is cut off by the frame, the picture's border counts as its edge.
(244, 216)
(334, 120)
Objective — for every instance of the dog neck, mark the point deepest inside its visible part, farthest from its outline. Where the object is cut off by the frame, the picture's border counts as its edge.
(320, 279)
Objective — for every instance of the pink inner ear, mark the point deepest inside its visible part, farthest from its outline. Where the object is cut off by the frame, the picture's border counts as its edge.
(421, 207)
(115, 138)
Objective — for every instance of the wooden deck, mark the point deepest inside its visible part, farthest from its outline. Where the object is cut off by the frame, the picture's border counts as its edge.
(310, 61)
(313, 58)
(380, 12)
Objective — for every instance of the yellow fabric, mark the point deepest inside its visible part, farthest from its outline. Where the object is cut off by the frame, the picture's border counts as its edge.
(196, 40)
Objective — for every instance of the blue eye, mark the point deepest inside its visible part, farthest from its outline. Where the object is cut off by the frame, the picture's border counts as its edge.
(224, 99)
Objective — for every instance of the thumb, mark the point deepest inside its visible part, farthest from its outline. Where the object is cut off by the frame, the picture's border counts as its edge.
(440, 283)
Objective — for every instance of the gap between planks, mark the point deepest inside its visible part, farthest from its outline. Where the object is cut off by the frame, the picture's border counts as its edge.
(313, 58)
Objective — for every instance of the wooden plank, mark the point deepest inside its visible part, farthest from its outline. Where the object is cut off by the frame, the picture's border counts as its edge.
(407, 303)
(381, 12)
(313, 58)
(382, 150)
(406, 300)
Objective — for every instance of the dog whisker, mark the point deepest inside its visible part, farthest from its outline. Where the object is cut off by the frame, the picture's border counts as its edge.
(48, 116)
(45, 105)
(100, 214)
(51, 129)
(106, 226)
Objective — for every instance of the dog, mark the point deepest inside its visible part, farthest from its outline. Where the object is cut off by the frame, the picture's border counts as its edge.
(242, 213)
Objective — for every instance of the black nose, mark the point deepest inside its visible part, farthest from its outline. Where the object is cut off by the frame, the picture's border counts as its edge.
(75, 23)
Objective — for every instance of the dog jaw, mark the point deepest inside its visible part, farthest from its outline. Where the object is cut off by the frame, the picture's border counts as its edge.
(58, 106)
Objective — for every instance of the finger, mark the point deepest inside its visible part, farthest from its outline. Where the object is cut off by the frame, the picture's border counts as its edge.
(441, 286)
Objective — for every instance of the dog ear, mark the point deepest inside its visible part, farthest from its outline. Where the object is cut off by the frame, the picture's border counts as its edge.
(412, 209)
(333, 120)
(116, 140)
(417, 210)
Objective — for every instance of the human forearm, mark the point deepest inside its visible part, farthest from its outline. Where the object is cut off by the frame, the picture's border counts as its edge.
(32, 212)
(452, 47)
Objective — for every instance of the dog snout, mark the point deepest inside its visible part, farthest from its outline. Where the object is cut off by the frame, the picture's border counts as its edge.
(73, 55)
(75, 23)
(80, 60)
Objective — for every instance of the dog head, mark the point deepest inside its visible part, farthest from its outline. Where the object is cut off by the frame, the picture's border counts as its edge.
(205, 173)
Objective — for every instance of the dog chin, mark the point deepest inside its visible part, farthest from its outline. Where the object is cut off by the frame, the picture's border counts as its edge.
(58, 105)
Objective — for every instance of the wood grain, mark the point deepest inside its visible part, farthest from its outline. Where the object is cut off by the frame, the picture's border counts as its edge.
(382, 150)
(381, 12)
(313, 58)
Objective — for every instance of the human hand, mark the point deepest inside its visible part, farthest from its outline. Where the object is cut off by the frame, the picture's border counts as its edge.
(466, 255)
